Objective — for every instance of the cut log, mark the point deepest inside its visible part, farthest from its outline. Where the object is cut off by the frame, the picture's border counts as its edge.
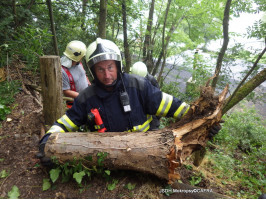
(136, 151)
(157, 152)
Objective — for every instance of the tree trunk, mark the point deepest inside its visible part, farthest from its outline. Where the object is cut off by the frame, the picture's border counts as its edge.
(147, 40)
(51, 83)
(84, 10)
(15, 13)
(149, 61)
(158, 152)
(49, 5)
(174, 26)
(245, 90)
(225, 42)
(163, 49)
(126, 45)
(102, 19)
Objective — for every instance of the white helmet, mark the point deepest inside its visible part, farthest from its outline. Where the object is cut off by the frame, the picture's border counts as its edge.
(101, 50)
(75, 50)
(139, 68)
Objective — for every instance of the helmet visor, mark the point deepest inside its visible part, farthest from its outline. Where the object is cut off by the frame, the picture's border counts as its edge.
(103, 57)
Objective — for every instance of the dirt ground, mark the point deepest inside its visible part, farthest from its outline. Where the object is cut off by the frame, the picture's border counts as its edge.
(19, 144)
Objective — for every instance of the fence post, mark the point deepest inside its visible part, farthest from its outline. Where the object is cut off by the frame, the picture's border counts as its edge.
(51, 83)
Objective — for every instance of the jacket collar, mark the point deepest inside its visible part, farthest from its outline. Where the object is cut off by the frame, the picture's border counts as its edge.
(104, 93)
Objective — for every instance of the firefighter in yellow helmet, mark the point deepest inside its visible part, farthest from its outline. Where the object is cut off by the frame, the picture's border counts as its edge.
(73, 74)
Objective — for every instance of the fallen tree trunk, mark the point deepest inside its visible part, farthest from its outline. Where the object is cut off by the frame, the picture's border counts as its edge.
(158, 152)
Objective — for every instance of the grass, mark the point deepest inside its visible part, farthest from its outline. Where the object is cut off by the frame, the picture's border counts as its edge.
(8, 89)
(239, 157)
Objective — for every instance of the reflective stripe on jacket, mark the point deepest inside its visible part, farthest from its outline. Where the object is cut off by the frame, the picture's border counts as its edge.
(145, 100)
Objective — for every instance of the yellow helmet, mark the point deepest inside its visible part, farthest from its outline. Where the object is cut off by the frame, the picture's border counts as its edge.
(75, 50)
(101, 50)
(139, 68)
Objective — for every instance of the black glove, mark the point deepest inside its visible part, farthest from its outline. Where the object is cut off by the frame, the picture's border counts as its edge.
(45, 161)
(214, 130)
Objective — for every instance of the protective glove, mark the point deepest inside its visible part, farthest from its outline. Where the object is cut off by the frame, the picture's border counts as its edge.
(214, 130)
(45, 161)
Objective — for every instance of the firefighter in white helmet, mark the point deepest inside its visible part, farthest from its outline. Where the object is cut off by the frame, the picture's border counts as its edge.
(139, 68)
(73, 74)
(125, 102)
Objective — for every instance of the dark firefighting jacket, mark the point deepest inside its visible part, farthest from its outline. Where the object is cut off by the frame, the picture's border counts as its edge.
(145, 101)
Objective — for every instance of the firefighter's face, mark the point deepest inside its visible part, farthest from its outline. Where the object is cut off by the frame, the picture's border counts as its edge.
(106, 71)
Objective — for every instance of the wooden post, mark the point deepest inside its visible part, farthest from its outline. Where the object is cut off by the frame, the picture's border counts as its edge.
(51, 83)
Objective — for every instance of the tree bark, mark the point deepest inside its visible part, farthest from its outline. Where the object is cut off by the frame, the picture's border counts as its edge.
(174, 26)
(15, 13)
(149, 58)
(158, 152)
(162, 53)
(257, 80)
(49, 5)
(51, 84)
(147, 39)
(84, 10)
(225, 42)
(245, 90)
(102, 19)
(126, 45)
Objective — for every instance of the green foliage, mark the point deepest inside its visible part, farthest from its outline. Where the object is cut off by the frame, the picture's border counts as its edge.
(46, 184)
(171, 88)
(108, 172)
(14, 193)
(240, 157)
(101, 156)
(4, 110)
(168, 190)
(54, 174)
(258, 30)
(245, 128)
(189, 167)
(31, 41)
(76, 170)
(4, 174)
(78, 176)
(112, 185)
(8, 91)
(164, 122)
(130, 186)
(195, 180)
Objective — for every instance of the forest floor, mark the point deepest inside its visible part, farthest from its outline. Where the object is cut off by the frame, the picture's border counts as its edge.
(19, 137)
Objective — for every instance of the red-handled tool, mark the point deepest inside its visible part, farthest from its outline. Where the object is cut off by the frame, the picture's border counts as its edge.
(95, 115)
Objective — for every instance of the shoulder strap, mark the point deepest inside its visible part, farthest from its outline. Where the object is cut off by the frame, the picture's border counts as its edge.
(71, 80)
